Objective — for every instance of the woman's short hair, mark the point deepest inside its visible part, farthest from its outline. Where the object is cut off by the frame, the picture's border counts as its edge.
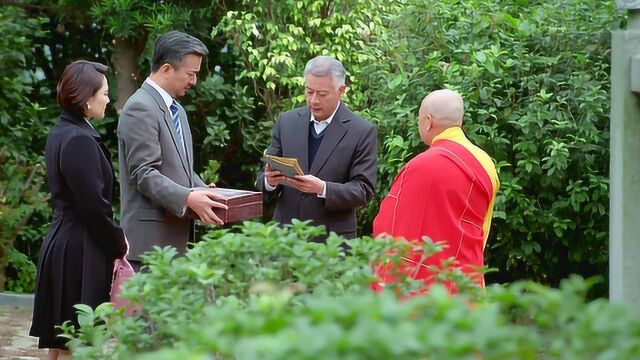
(79, 82)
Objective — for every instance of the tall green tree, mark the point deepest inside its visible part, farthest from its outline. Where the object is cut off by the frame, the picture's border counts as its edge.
(23, 119)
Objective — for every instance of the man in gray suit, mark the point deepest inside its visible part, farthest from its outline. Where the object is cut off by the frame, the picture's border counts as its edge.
(156, 152)
(335, 148)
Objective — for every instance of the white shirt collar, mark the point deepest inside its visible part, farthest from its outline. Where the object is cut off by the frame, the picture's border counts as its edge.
(328, 121)
(163, 93)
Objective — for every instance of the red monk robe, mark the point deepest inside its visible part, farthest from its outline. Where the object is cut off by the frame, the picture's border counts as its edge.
(445, 193)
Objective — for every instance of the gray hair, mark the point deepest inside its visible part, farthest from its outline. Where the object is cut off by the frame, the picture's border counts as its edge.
(326, 65)
(172, 47)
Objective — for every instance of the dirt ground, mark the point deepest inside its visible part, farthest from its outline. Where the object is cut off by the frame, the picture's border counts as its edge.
(15, 343)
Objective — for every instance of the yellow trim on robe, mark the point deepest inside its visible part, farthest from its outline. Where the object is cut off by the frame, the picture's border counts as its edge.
(456, 135)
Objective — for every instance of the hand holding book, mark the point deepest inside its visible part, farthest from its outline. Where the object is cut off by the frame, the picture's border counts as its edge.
(287, 171)
(288, 167)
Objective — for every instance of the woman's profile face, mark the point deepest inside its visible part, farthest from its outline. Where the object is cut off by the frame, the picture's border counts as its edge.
(97, 104)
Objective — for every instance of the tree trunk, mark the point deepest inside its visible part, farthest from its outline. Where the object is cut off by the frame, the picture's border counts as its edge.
(125, 61)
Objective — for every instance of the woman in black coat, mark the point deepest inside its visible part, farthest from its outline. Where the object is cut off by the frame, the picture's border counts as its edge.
(76, 258)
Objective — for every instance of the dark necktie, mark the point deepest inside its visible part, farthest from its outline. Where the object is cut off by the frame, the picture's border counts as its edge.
(175, 116)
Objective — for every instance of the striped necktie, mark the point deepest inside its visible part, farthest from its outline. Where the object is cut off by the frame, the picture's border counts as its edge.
(175, 116)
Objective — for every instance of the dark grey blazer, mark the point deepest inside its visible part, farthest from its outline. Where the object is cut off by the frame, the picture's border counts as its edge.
(346, 160)
(155, 174)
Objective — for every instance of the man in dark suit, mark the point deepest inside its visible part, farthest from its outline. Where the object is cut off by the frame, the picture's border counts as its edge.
(336, 150)
(156, 152)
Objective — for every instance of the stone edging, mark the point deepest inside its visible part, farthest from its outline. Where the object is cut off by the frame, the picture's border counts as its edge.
(13, 299)
(628, 4)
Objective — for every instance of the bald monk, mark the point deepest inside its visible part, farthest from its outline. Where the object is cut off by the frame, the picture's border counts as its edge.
(446, 193)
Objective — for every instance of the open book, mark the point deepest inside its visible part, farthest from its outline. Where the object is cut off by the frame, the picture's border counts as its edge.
(287, 166)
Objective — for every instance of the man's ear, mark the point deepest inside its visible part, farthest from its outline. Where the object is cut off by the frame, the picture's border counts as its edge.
(165, 69)
(428, 121)
(341, 90)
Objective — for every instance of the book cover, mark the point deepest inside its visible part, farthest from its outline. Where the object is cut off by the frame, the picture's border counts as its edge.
(287, 166)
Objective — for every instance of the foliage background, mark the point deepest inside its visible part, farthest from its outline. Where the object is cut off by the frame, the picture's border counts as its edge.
(534, 75)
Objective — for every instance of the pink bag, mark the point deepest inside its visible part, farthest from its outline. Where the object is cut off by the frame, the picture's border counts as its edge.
(122, 271)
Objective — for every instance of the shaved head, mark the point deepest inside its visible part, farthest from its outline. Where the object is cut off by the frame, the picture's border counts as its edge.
(445, 106)
(440, 110)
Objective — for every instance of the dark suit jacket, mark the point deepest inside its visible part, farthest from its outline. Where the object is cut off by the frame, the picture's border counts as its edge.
(76, 258)
(346, 160)
(156, 175)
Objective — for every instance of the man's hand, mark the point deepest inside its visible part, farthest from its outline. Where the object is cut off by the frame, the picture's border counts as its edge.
(202, 203)
(274, 178)
(307, 183)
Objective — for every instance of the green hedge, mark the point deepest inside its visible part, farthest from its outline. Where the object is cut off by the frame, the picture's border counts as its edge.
(535, 79)
(262, 292)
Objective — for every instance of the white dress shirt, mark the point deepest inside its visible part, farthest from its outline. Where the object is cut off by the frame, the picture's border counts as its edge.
(168, 100)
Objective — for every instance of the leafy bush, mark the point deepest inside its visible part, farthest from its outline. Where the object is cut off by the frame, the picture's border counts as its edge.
(534, 75)
(24, 212)
(264, 292)
(550, 324)
(236, 265)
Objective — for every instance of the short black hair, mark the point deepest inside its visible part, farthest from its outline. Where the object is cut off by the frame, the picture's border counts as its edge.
(80, 81)
(172, 47)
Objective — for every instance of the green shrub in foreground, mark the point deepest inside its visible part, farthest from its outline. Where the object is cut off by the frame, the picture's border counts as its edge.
(523, 321)
(238, 264)
(264, 292)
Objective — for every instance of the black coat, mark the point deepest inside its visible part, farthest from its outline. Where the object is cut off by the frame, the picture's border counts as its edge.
(76, 258)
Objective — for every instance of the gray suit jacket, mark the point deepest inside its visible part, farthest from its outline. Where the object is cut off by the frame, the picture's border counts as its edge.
(155, 174)
(346, 160)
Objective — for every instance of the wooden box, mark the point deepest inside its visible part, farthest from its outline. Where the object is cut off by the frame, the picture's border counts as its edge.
(243, 204)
